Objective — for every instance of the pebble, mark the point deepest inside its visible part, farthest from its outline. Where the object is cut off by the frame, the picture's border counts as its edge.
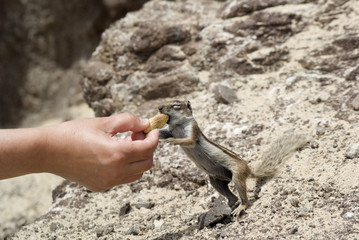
(158, 223)
(224, 94)
(104, 230)
(352, 151)
(310, 179)
(53, 227)
(125, 209)
(220, 212)
(355, 103)
(99, 231)
(147, 205)
(349, 215)
(293, 230)
(133, 230)
(294, 202)
(320, 131)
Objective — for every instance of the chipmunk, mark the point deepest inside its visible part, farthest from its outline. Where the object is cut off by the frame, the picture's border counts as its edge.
(221, 164)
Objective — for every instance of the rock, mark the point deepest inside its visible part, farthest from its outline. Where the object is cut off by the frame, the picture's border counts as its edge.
(158, 224)
(314, 144)
(165, 180)
(133, 230)
(60, 191)
(54, 226)
(348, 43)
(94, 93)
(348, 215)
(340, 57)
(104, 107)
(265, 26)
(352, 151)
(224, 94)
(235, 8)
(99, 231)
(272, 58)
(219, 213)
(293, 230)
(98, 71)
(355, 103)
(240, 66)
(125, 209)
(169, 86)
(148, 38)
(352, 74)
(320, 131)
(165, 58)
(104, 230)
(294, 202)
(147, 205)
(109, 229)
(170, 53)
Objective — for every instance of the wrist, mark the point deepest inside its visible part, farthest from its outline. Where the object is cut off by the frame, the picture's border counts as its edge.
(41, 153)
(49, 156)
(20, 152)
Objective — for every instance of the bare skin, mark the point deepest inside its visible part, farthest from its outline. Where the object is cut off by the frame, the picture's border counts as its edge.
(84, 151)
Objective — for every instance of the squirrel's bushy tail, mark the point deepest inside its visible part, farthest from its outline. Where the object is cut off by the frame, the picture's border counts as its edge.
(277, 154)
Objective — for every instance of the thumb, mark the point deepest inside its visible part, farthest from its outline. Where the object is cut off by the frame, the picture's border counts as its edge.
(124, 122)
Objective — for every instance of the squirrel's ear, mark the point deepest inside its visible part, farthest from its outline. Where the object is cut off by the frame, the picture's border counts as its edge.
(189, 106)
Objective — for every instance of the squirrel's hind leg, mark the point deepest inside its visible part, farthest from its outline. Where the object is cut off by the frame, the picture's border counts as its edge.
(222, 187)
(239, 180)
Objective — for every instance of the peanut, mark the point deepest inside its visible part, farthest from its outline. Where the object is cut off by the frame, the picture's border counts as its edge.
(157, 121)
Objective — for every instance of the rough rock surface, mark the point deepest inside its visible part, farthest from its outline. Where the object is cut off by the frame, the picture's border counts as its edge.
(292, 64)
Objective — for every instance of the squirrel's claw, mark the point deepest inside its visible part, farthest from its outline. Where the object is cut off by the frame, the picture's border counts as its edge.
(237, 211)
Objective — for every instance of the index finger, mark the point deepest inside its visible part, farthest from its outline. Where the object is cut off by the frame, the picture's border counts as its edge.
(124, 122)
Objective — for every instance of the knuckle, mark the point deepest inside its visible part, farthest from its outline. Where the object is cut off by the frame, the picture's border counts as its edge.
(116, 157)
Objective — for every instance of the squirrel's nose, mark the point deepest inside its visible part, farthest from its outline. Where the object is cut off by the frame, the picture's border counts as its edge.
(160, 108)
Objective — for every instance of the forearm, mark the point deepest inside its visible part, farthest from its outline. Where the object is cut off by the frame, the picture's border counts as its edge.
(84, 151)
(21, 151)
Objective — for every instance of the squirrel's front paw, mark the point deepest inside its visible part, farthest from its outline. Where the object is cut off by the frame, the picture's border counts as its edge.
(171, 140)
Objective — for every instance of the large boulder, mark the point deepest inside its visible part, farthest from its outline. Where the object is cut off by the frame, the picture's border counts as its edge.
(164, 52)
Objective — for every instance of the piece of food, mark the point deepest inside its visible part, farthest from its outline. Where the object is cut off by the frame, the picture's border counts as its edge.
(157, 121)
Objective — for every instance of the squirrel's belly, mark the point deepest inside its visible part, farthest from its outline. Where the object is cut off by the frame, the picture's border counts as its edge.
(209, 162)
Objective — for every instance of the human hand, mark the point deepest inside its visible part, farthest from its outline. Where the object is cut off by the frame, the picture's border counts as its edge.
(86, 150)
